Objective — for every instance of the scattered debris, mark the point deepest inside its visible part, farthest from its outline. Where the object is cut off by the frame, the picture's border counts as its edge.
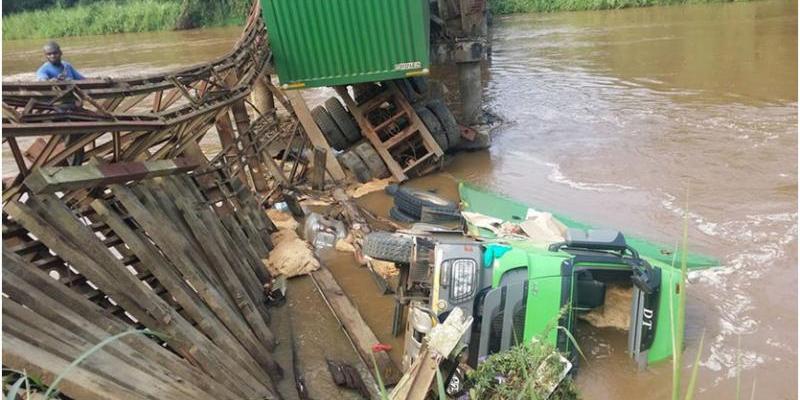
(323, 232)
(344, 246)
(369, 187)
(439, 346)
(346, 375)
(385, 269)
(282, 220)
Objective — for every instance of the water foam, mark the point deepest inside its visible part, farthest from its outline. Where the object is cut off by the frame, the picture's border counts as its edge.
(763, 239)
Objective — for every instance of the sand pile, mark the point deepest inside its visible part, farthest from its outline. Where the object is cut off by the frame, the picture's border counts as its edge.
(291, 256)
(616, 312)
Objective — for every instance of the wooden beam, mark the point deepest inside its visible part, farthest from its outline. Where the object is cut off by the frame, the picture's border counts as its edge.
(318, 173)
(355, 327)
(56, 179)
(314, 133)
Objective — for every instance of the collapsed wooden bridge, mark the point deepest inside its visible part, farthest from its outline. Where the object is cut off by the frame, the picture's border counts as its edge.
(118, 221)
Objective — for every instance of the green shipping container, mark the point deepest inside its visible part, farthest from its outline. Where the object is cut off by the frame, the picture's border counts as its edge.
(338, 42)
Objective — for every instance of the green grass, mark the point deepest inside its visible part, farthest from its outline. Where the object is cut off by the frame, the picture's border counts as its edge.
(94, 19)
(122, 16)
(526, 6)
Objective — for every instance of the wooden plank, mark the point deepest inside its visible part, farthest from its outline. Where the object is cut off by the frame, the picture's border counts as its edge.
(73, 241)
(177, 248)
(80, 384)
(356, 328)
(208, 322)
(45, 296)
(56, 179)
(318, 172)
(46, 335)
(244, 299)
(314, 134)
(371, 135)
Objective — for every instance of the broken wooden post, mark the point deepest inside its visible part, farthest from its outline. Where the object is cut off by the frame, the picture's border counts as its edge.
(314, 133)
(261, 96)
(318, 173)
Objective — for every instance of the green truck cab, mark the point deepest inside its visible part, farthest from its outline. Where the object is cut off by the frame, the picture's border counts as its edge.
(516, 291)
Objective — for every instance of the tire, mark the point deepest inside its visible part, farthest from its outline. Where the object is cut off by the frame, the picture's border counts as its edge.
(343, 119)
(400, 216)
(420, 85)
(329, 129)
(411, 201)
(408, 90)
(365, 91)
(389, 247)
(449, 124)
(371, 159)
(433, 125)
(391, 189)
(353, 163)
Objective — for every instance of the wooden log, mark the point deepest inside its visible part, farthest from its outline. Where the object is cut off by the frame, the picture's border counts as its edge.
(314, 134)
(55, 179)
(318, 172)
(176, 248)
(354, 325)
(74, 242)
(45, 296)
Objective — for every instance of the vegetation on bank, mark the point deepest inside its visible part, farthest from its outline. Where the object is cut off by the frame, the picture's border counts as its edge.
(526, 6)
(91, 17)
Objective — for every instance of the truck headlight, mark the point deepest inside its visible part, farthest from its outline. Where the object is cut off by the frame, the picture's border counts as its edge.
(462, 274)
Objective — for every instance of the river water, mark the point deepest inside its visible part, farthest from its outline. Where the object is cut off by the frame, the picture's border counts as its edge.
(621, 119)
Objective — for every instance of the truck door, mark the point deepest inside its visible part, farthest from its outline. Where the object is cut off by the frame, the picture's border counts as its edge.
(643, 324)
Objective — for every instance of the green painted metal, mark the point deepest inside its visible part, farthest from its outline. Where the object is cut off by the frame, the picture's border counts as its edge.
(336, 42)
(545, 274)
(481, 201)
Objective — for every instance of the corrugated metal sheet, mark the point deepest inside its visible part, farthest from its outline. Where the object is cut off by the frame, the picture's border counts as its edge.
(336, 42)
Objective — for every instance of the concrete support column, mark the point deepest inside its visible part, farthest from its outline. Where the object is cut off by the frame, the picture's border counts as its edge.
(261, 96)
(469, 85)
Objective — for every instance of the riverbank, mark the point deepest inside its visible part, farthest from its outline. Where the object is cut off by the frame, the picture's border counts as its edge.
(528, 6)
(104, 17)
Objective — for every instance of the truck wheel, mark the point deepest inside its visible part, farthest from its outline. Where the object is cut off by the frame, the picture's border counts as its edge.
(329, 129)
(389, 247)
(372, 160)
(343, 120)
(449, 124)
(400, 216)
(352, 162)
(408, 90)
(365, 91)
(433, 125)
(411, 201)
(420, 85)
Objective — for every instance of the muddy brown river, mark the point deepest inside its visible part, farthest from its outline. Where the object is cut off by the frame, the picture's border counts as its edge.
(615, 118)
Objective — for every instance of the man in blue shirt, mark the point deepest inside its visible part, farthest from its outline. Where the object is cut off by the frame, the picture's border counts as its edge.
(54, 68)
